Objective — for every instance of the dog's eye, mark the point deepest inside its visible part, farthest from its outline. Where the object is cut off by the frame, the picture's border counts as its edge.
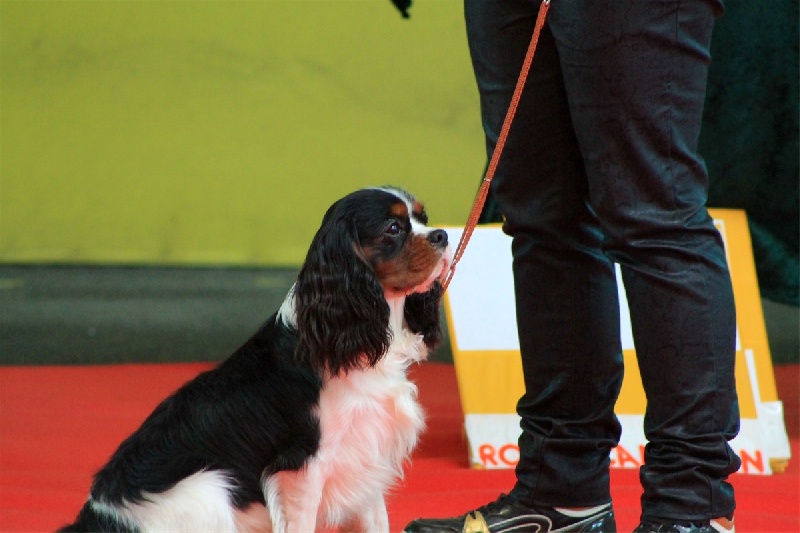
(393, 228)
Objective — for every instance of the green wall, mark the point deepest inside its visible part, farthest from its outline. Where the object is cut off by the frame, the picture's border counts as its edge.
(218, 132)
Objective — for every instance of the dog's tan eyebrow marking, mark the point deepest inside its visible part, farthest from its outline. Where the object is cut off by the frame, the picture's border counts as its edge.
(418, 208)
(399, 210)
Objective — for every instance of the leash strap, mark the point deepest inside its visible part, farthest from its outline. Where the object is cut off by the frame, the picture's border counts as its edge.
(483, 191)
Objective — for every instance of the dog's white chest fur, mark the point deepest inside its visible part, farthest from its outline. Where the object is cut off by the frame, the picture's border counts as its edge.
(370, 421)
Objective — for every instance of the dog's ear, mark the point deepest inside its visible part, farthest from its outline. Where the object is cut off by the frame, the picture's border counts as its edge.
(342, 314)
(422, 314)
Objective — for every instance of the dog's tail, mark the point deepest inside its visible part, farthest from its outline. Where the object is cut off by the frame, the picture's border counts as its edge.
(89, 520)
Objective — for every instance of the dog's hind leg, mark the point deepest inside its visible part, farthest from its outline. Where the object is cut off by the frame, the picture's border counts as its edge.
(199, 502)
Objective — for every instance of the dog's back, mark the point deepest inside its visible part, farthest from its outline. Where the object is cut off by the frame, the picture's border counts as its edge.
(214, 437)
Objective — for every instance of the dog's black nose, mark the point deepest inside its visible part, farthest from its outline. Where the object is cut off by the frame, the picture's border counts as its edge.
(438, 238)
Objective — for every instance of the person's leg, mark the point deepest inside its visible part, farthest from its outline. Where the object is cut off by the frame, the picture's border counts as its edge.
(565, 287)
(635, 72)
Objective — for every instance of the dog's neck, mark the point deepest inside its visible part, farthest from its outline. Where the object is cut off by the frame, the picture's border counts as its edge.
(397, 304)
(396, 301)
(408, 345)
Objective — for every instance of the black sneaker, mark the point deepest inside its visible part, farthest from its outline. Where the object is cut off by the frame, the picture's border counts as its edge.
(506, 514)
(717, 525)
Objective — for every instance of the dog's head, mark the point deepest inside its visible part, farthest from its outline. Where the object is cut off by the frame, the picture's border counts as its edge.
(373, 245)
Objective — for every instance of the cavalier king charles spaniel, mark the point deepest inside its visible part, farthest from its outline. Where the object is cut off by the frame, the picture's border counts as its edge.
(308, 424)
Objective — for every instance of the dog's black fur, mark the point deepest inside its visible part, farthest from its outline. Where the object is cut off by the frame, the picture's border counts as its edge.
(254, 414)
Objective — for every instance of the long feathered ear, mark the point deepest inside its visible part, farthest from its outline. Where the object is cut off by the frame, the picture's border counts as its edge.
(342, 314)
(422, 314)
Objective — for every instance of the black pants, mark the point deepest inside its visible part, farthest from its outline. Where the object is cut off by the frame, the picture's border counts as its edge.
(601, 167)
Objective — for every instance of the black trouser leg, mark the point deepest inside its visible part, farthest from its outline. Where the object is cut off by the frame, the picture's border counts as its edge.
(566, 294)
(636, 95)
(615, 176)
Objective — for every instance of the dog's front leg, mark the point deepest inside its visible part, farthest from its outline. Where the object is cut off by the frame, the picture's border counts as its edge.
(373, 518)
(293, 498)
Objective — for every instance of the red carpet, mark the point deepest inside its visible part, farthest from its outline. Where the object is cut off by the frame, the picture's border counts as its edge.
(59, 424)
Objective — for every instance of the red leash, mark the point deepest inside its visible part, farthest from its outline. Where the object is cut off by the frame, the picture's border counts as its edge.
(483, 191)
